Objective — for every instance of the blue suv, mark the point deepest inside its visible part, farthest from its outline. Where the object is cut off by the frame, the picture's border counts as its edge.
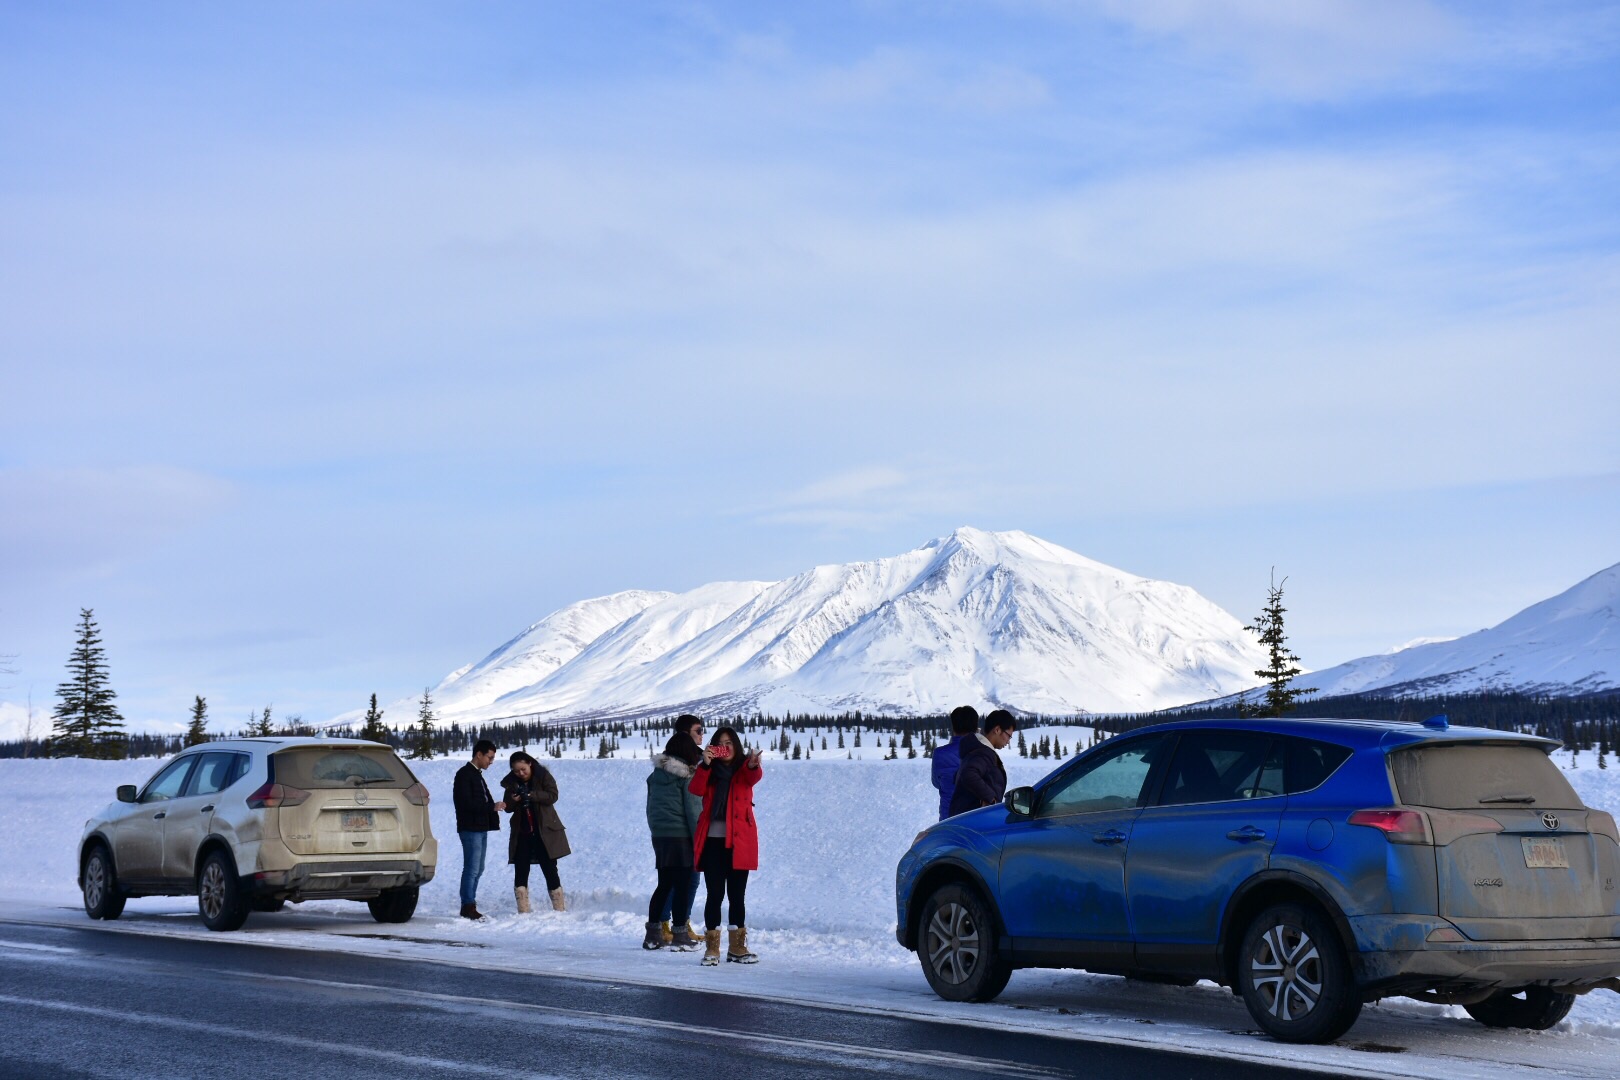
(1310, 865)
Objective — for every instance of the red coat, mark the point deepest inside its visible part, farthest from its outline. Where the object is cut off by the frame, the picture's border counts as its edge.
(742, 837)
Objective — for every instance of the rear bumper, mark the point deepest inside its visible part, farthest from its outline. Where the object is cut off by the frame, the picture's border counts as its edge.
(349, 880)
(1395, 957)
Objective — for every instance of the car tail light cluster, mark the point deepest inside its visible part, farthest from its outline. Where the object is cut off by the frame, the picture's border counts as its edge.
(1602, 823)
(417, 794)
(272, 795)
(1398, 826)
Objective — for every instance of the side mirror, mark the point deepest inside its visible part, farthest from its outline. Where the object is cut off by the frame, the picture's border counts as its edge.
(1021, 801)
(126, 792)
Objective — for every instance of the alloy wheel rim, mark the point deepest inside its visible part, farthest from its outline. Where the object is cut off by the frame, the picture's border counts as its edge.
(953, 943)
(95, 881)
(212, 891)
(1285, 969)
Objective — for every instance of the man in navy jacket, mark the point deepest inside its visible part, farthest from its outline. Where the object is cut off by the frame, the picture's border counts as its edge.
(981, 779)
(948, 757)
(477, 815)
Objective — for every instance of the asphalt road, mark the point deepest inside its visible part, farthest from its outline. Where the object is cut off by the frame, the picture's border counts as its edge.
(94, 1002)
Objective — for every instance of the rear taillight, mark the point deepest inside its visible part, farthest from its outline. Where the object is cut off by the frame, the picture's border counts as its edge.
(1398, 826)
(272, 795)
(417, 794)
(1602, 823)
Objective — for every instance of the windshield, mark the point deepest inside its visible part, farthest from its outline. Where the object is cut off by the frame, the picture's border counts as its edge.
(316, 767)
(1473, 777)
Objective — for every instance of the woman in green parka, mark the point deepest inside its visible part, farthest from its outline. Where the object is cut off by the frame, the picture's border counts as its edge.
(672, 818)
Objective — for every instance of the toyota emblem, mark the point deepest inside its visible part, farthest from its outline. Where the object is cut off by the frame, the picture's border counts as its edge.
(361, 798)
(1550, 820)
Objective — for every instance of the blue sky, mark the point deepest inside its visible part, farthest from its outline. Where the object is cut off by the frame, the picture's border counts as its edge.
(339, 342)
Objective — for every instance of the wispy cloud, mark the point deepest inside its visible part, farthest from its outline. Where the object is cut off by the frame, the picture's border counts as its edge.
(89, 519)
(873, 498)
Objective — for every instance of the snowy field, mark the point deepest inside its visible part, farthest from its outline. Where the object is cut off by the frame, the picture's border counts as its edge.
(820, 911)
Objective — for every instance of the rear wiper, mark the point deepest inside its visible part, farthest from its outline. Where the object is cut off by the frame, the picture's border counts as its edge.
(1509, 798)
(386, 779)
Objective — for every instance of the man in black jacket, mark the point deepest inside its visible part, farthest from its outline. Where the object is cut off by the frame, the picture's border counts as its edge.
(477, 815)
(981, 779)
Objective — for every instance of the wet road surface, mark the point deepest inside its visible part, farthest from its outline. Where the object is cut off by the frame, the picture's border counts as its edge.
(94, 1002)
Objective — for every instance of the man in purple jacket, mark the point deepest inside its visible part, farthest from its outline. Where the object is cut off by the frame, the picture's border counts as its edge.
(948, 757)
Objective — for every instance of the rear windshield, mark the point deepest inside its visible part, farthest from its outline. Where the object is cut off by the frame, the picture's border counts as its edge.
(317, 767)
(1464, 777)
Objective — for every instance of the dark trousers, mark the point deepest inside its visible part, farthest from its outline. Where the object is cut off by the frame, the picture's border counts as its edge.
(672, 899)
(548, 867)
(723, 882)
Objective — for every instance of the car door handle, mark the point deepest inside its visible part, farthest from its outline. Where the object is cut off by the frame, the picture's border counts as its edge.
(160, 814)
(207, 809)
(1112, 836)
(1246, 835)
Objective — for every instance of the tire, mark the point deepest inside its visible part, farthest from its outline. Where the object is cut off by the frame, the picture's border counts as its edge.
(219, 894)
(1535, 1007)
(393, 906)
(1295, 977)
(957, 946)
(102, 900)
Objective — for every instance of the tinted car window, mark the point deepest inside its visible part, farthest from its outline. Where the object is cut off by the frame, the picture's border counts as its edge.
(216, 772)
(1468, 777)
(168, 783)
(1311, 762)
(1112, 780)
(1218, 766)
(325, 767)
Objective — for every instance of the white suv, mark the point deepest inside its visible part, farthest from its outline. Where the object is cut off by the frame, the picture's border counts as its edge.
(248, 824)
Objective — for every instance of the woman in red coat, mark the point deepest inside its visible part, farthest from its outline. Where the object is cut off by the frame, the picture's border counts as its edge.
(726, 846)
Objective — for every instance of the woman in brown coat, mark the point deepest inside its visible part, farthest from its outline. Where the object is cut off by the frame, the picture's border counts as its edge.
(537, 834)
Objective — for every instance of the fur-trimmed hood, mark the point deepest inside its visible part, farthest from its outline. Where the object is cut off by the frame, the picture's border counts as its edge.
(672, 765)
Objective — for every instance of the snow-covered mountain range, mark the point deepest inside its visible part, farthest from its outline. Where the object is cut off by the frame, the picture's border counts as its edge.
(1567, 645)
(983, 618)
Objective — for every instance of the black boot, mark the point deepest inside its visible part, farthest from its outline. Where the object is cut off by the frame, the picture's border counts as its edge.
(654, 938)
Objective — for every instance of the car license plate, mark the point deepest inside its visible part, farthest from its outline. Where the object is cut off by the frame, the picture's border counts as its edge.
(366, 821)
(1544, 851)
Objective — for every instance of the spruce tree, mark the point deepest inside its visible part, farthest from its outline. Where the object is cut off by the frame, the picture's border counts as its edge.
(262, 728)
(373, 728)
(87, 724)
(197, 730)
(1283, 667)
(423, 732)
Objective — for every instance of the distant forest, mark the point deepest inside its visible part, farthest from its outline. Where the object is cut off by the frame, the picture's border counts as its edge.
(1582, 723)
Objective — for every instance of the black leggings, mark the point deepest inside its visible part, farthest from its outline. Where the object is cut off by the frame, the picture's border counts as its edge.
(548, 867)
(676, 880)
(722, 882)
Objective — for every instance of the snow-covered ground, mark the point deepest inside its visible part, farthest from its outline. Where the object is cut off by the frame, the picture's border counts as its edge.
(821, 912)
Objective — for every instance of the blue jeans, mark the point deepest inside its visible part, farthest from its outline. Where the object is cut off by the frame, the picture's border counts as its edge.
(680, 899)
(473, 847)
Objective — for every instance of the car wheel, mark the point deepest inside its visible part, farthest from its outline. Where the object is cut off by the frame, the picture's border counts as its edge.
(1295, 977)
(219, 894)
(102, 900)
(1534, 1007)
(958, 946)
(393, 906)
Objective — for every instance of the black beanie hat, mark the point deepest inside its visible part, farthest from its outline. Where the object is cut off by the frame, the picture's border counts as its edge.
(681, 746)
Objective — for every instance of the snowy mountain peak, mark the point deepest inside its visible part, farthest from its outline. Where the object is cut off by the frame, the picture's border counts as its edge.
(978, 617)
(1567, 644)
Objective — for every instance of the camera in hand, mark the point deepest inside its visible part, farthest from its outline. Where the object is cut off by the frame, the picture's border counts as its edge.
(722, 752)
